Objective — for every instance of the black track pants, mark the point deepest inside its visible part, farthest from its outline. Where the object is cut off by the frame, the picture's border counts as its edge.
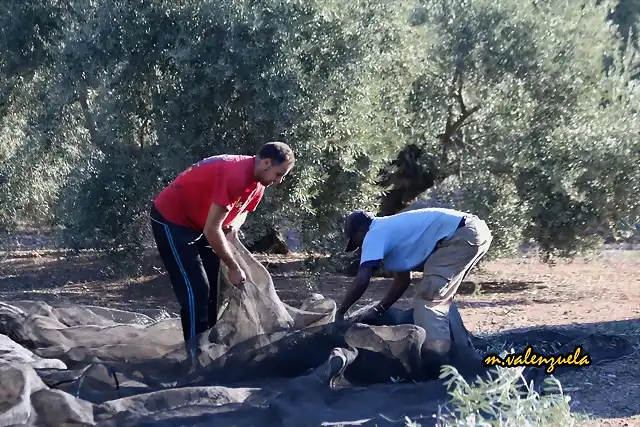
(193, 270)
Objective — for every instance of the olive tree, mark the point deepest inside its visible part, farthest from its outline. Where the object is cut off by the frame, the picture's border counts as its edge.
(516, 119)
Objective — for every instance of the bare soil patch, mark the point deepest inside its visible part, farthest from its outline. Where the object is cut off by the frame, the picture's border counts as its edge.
(602, 293)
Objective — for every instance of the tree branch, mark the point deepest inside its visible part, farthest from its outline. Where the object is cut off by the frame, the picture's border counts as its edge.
(72, 10)
(141, 132)
(453, 126)
(88, 118)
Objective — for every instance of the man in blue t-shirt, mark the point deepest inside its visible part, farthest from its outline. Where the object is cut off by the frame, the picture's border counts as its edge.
(444, 243)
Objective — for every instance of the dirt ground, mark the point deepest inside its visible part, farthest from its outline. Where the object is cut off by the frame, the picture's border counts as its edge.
(601, 293)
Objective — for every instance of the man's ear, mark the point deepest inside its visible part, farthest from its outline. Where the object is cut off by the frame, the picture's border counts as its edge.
(266, 163)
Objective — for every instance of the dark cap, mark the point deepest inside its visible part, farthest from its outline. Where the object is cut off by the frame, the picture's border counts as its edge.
(358, 220)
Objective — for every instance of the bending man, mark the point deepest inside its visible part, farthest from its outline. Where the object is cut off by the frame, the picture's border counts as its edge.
(192, 215)
(446, 243)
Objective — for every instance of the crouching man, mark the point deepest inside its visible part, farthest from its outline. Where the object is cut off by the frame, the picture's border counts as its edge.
(446, 243)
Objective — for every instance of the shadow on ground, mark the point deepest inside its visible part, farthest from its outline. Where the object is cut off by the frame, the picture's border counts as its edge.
(58, 268)
(502, 303)
(87, 277)
(84, 278)
(498, 287)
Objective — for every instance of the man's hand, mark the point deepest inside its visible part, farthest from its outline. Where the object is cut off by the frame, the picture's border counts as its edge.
(230, 231)
(237, 276)
(216, 237)
(371, 316)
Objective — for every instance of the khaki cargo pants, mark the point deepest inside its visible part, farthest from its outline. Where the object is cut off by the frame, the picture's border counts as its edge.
(444, 270)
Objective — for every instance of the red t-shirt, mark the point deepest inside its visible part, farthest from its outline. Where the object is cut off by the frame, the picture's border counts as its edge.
(226, 180)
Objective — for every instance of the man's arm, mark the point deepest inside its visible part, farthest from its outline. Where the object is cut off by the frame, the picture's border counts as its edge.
(399, 286)
(356, 289)
(215, 236)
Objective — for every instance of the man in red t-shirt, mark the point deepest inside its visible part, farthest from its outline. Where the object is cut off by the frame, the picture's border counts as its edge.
(192, 215)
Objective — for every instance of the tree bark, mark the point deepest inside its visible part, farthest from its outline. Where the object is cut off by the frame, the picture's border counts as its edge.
(271, 243)
(88, 120)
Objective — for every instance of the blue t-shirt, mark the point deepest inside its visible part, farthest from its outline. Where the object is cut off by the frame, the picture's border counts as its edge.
(404, 241)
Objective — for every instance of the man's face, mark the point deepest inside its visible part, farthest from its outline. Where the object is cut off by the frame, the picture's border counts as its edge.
(269, 173)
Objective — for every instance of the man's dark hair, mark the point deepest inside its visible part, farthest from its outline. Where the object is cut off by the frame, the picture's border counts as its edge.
(278, 152)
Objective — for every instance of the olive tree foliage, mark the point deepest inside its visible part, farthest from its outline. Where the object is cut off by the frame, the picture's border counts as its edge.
(515, 119)
(505, 109)
(137, 91)
(36, 145)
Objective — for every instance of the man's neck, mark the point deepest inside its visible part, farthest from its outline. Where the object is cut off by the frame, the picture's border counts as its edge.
(256, 162)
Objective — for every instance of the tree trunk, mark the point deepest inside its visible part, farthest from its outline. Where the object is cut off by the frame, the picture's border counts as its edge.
(271, 243)
(88, 120)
